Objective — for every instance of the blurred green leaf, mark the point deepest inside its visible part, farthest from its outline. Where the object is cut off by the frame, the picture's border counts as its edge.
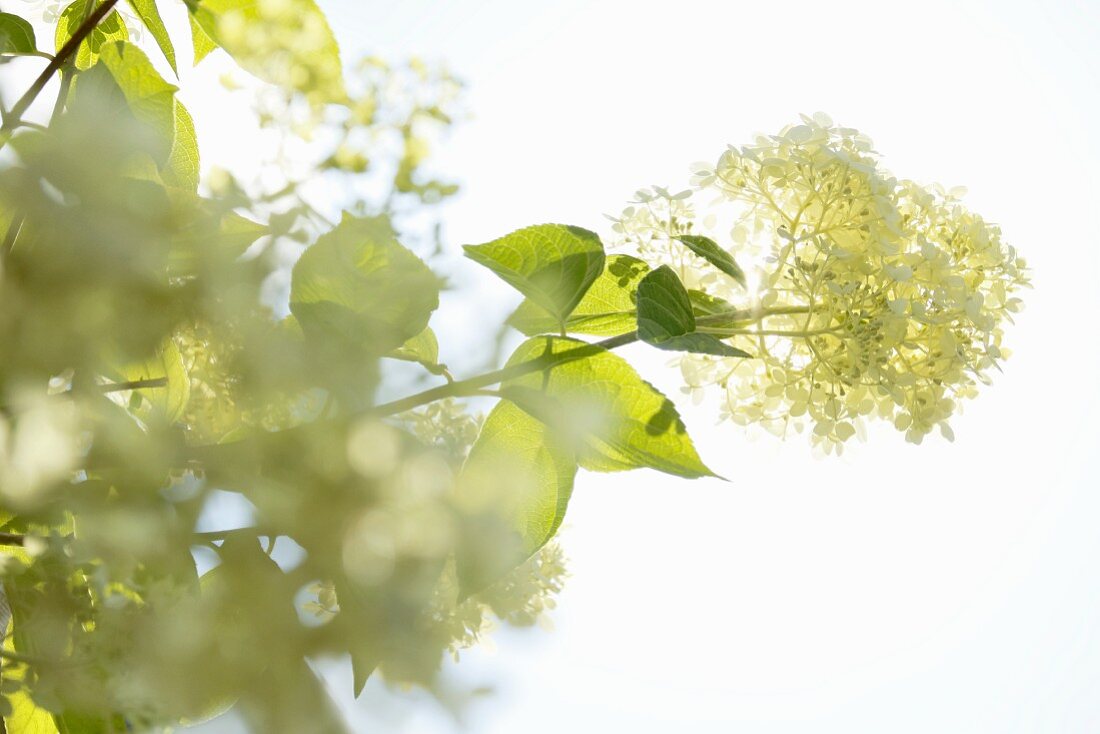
(147, 96)
(308, 60)
(617, 420)
(16, 35)
(170, 401)
(359, 285)
(607, 308)
(110, 29)
(709, 250)
(523, 471)
(552, 264)
(207, 232)
(25, 715)
(147, 11)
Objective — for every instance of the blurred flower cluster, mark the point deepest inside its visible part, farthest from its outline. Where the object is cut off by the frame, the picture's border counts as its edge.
(868, 297)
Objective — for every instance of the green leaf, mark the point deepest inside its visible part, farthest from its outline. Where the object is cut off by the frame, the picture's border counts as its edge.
(702, 344)
(666, 317)
(617, 420)
(709, 250)
(182, 168)
(310, 44)
(358, 284)
(208, 230)
(146, 95)
(551, 264)
(16, 35)
(520, 473)
(147, 11)
(108, 31)
(25, 714)
(74, 723)
(422, 349)
(201, 43)
(704, 304)
(607, 308)
(664, 309)
(170, 401)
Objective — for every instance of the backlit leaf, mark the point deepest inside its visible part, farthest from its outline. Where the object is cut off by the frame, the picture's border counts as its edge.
(201, 42)
(170, 401)
(359, 284)
(147, 96)
(618, 420)
(709, 250)
(147, 11)
(607, 308)
(552, 264)
(521, 472)
(182, 169)
(307, 59)
(107, 31)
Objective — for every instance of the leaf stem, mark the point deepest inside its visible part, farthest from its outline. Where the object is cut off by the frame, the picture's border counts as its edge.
(473, 385)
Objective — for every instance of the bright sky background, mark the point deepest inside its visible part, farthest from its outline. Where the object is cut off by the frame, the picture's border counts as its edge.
(946, 587)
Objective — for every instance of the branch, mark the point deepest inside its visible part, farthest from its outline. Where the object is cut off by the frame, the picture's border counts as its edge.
(12, 539)
(15, 114)
(134, 384)
(473, 385)
(460, 388)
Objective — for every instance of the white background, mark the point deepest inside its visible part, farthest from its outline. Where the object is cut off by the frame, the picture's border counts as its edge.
(940, 588)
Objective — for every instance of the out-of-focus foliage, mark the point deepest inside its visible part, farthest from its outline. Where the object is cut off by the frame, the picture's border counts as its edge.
(146, 368)
(172, 336)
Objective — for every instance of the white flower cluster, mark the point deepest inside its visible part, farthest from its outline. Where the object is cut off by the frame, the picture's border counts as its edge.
(875, 297)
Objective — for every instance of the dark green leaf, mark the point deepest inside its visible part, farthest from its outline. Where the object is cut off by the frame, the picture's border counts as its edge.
(704, 304)
(551, 264)
(664, 309)
(709, 250)
(666, 317)
(16, 35)
(607, 308)
(701, 344)
(359, 285)
(616, 419)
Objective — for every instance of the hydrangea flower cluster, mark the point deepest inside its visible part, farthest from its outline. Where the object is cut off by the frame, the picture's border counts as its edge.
(869, 295)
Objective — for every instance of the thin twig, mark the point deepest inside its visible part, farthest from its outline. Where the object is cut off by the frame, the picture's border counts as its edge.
(15, 114)
(134, 384)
